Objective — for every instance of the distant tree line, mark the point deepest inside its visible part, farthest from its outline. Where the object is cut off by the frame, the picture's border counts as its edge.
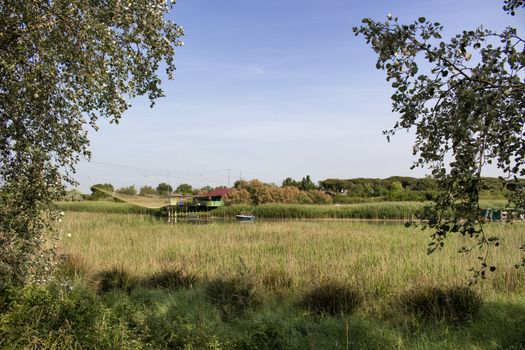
(398, 188)
(162, 190)
(305, 191)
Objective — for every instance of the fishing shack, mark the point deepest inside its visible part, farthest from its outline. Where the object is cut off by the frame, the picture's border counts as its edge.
(210, 200)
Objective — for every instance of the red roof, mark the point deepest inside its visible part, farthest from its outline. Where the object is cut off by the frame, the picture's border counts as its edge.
(218, 192)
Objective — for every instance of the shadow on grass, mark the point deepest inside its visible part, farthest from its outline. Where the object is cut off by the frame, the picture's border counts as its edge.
(119, 279)
(233, 296)
(497, 325)
(331, 298)
(455, 305)
(172, 309)
(501, 323)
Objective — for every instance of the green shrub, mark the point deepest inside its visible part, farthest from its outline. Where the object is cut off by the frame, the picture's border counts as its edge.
(455, 305)
(116, 278)
(55, 317)
(170, 278)
(130, 190)
(331, 298)
(232, 296)
(73, 195)
(262, 336)
(6, 298)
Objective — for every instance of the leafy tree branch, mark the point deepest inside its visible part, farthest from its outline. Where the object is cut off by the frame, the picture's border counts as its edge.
(465, 99)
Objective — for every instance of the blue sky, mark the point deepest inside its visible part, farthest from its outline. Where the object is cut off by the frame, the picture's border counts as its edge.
(272, 89)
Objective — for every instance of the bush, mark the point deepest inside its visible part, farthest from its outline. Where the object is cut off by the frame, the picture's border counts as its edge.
(114, 279)
(73, 195)
(54, 317)
(170, 278)
(130, 190)
(6, 298)
(454, 305)
(264, 335)
(147, 191)
(331, 298)
(96, 195)
(232, 296)
(319, 197)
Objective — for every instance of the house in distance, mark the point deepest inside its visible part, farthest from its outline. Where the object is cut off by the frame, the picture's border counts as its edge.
(210, 200)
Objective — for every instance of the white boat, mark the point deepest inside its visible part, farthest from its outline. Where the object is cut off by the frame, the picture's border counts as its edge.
(245, 218)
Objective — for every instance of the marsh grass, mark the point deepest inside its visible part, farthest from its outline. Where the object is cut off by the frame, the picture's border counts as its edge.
(105, 206)
(170, 277)
(115, 278)
(406, 210)
(277, 281)
(233, 296)
(456, 305)
(238, 286)
(381, 259)
(331, 298)
(371, 211)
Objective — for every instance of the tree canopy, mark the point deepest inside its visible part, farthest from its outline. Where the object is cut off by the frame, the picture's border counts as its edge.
(163, 189)
(465, 99)
(184, 189)
(64, 65)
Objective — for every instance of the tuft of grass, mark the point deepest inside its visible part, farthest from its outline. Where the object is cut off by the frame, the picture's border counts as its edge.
(232, 296)
(277, 281)
(170, 278)
(116, 278)
(331, 298)
(455, 305)
(6, 298)
(73, 265)
(264, 335)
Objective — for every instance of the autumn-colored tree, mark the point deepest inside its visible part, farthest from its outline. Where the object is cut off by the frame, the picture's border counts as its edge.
(237, 196)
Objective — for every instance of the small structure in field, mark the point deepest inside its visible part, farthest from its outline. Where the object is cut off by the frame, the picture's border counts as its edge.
(210, 200)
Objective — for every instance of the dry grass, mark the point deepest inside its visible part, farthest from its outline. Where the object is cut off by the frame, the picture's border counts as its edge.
(381, 260)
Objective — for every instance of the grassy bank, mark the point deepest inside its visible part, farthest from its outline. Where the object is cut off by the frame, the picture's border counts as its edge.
(140, 283)
(104, 206)
(371, 211)
(368, 211)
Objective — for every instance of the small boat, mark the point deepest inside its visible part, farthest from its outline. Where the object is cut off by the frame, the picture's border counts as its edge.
(245, 218)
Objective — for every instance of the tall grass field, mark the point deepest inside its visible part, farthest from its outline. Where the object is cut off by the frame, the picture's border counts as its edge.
(135, 282)
(371, 211)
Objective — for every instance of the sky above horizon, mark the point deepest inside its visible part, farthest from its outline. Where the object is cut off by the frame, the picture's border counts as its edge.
(269, 90)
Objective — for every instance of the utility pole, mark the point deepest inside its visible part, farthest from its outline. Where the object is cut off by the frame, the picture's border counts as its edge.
(228, 177)
(168, 179)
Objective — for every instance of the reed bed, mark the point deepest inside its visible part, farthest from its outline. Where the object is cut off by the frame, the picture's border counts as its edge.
(382, 259)
(134, 282)
(369, 211)
(104, 206)
(363, 211)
